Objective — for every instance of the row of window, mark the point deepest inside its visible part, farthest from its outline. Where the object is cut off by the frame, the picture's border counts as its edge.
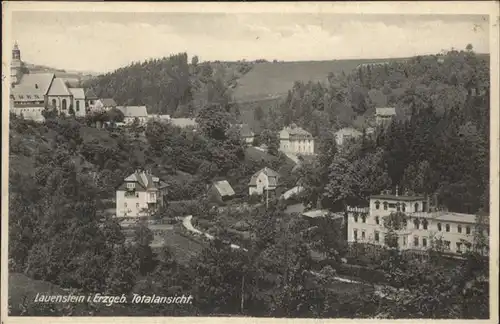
(136, 205)
(417, 223)
(27, 97)
(30, 110)
(398, 206)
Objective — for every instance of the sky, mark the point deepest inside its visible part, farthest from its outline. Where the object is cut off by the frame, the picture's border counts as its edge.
(105, 41)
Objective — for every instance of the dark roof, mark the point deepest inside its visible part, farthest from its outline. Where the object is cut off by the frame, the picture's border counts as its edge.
(108, 102)
(145, 181)
(399, 198)
(271, 174)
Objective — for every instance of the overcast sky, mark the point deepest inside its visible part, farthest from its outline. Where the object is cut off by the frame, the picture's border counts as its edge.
(105, 41)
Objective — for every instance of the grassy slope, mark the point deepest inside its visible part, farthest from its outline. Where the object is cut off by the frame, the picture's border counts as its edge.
(274, 79)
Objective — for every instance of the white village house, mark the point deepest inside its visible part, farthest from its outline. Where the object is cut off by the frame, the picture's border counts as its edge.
(295, 140)
(140, 194)
(131, 113)
(344, 135)
(264, 180)
(384, 116)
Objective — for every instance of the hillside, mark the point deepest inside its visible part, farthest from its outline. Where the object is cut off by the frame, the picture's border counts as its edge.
(275, 79)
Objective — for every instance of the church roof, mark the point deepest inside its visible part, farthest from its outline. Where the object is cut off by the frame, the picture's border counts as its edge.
(78, 93)
(31, 86)
(58, 88)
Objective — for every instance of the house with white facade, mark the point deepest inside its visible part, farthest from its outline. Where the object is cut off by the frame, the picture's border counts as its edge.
(78, 101)
(295, 140)
(423, 227)
(346, 134)
(263, 181)
(140, 194)
(384, 116)
(132, 113)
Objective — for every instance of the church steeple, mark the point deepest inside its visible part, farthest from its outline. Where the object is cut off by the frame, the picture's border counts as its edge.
(16, 52)
(16, 65)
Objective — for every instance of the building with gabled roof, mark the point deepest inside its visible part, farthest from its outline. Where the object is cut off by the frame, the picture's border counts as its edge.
(131, 113)
(295, 140)
(384, 115)
(140, 194)
(31, 93)
(221, 191)
(346, 134)
(263, 180)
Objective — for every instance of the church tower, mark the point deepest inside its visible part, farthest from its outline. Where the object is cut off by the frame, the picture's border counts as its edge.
(15, 65)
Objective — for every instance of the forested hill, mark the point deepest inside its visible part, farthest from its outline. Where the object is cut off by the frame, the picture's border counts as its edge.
(437, 145)
(171, 85)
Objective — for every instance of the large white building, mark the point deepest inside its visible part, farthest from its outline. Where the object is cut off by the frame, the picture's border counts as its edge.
(345, 135)
(423, 226)
(140, 194)
(295, 140)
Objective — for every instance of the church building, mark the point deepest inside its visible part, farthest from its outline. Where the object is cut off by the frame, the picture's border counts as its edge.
(32, 93)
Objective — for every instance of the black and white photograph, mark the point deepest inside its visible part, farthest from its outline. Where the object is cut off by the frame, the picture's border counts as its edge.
(190, 160)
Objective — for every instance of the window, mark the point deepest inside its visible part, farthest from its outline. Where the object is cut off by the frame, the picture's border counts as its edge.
(12, 97)
(403, 206)
(363, 236)
(392, 205)
(385, 205)
(137, 205)
(398, 207)
(356, 217)
(467, 230)
(130, 185)
(28, 96)
(21, 97)
(459, 247)
(64, 104)
(424, 242)
(377, 220)
(459, 228)
(137, 195)
(425, 223)
(37, 96)
(447, 227)
(439, 227)
(152, 196)
(77, 105)
(377, 205)
(447, 244)
(377, 236)
(416, 222)
(416, 207)
(415, 241)
(363, 218)
(405, 242)
(54, 103)
(355, 235)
